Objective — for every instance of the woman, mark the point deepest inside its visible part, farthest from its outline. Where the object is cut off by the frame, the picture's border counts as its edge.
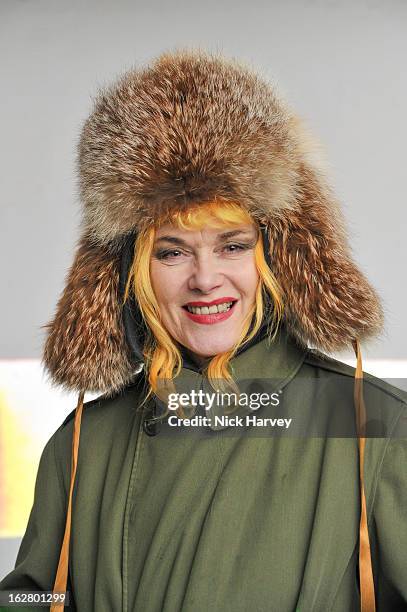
(214, 253)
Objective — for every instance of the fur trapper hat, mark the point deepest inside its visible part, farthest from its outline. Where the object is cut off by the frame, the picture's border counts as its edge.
(190, 127)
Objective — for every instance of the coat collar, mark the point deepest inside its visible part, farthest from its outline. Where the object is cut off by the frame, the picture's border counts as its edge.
(266, 366)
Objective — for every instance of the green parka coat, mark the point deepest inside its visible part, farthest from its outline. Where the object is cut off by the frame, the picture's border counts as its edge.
(231, 518)
(227, 522)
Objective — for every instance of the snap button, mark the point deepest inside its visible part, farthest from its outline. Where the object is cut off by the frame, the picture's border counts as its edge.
(151, 427)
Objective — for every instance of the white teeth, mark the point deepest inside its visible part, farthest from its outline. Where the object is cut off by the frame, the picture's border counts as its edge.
(211, 309)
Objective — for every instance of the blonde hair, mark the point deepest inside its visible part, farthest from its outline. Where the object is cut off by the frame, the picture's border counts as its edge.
(163, 358)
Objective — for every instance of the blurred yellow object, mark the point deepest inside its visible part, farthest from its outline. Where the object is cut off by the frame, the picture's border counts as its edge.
(30, 411)
(19, 456)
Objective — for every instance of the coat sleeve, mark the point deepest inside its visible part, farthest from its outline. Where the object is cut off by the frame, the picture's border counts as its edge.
(390, 528)
(38, 556)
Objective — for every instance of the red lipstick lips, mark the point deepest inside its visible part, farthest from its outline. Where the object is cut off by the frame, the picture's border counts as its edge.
(211, 318)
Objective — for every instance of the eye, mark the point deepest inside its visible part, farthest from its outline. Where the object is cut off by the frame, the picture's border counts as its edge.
(168, 254)
(237, 247)
(233, 247)
(171, 256)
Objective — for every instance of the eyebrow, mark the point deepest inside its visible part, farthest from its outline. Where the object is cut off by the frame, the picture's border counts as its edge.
(181, 242)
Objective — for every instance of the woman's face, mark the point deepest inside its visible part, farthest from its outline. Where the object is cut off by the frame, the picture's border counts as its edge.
(205, 283)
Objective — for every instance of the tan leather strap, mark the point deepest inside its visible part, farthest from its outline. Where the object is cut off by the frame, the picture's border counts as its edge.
(367, 596)
(61, 578)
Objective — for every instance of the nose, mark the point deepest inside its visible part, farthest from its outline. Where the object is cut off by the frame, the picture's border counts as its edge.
(205, 276)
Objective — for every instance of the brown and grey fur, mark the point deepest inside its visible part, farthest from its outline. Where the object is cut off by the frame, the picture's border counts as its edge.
(191, 127)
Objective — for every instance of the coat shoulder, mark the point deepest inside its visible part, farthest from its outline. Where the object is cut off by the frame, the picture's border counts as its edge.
(109, 404)
(318, 360)
(104, 419)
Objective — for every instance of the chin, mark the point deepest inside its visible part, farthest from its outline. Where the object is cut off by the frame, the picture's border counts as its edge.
(210, 349)
(210, 342)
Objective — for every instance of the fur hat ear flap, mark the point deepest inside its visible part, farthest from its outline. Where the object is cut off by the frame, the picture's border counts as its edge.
(328, 301)
(86, 349)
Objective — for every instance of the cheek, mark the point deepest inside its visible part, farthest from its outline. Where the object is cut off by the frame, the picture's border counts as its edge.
(158, 282)
(247, 279)
(165, 283)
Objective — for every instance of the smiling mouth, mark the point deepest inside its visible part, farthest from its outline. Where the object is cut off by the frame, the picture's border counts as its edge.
(213, 309)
